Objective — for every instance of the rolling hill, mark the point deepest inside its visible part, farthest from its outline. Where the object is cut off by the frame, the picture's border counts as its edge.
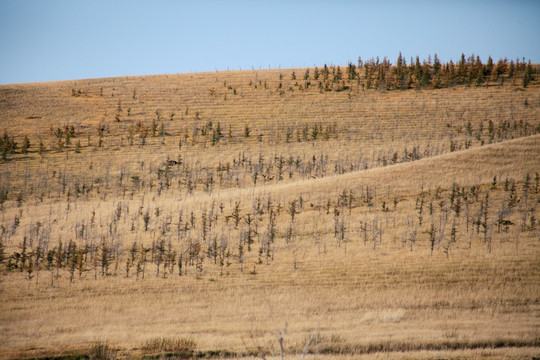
(253, 214)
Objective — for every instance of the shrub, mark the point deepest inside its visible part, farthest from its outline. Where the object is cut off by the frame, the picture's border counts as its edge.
(101, 351)
(156, 345)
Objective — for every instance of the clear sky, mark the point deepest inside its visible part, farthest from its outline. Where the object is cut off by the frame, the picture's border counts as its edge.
(76, 39)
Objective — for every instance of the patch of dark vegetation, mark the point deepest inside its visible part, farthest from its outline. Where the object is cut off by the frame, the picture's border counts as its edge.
(169, 346)
(323, 345)
(10, 92)
(327, 346)
(170, 355)
(192, 355)
(62, 357)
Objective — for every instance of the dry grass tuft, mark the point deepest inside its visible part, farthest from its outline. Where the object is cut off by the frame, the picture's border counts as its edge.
(101, 350)
(157, 345)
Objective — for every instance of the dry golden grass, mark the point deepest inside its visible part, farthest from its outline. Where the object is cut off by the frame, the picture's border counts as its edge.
(362, 295)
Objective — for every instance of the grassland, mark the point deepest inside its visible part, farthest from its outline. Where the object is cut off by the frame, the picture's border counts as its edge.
(249, 214)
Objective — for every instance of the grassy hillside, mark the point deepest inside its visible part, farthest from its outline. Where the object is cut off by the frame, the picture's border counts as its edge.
(251, 213)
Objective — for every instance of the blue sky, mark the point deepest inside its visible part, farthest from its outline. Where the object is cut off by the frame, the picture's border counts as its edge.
(76, 39)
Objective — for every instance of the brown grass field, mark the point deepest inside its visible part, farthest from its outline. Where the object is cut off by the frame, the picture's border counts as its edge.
(225, 215)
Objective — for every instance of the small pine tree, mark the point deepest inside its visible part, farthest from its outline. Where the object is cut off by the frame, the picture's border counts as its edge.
(104, 257)
(146, 219)
(489, 67)
(80, 260)
(528, 76)
(30, 267)
(293, 209)
(25, 145)
(59, 258)
(432, 238)
(2, 251)
(42, 147)
(236, 214)
(59, 144)
(511, 69)
(24, 254)
(73, 258)
(316, 73)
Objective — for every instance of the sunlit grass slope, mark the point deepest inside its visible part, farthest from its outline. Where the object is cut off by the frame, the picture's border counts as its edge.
(236, 211)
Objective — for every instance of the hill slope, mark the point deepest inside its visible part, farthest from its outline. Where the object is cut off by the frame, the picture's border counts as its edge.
(224, 207)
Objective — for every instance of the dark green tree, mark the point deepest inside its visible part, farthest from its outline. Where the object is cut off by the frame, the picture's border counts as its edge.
(489, 67)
